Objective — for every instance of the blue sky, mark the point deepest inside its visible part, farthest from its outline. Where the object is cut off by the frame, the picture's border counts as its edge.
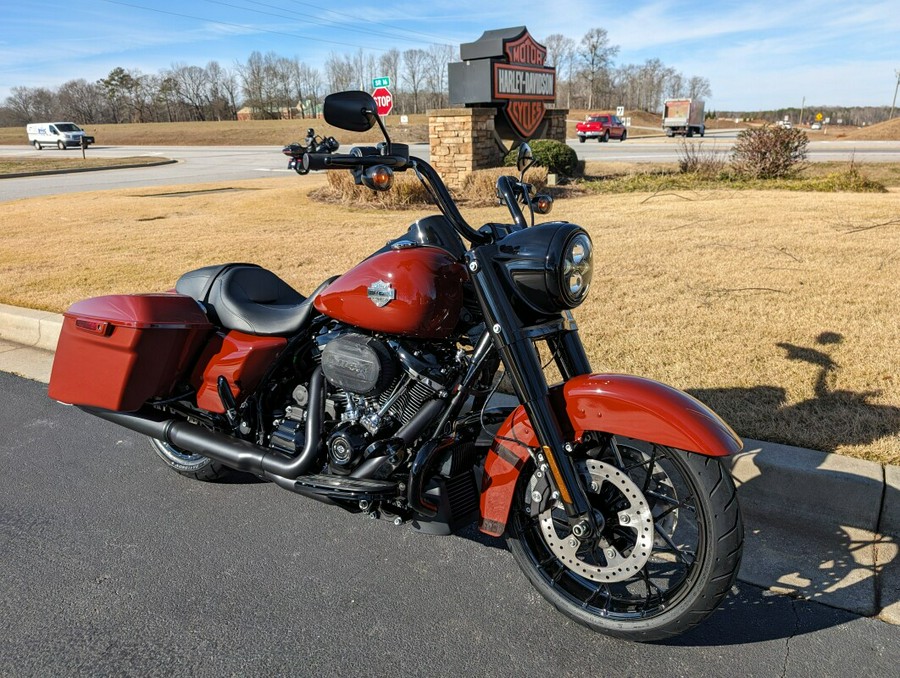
(756, 55)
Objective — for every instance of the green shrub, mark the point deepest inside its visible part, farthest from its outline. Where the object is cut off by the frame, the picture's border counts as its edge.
(556, 156)
(769, 152)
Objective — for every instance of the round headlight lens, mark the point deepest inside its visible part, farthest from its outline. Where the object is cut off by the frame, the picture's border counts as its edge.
(577, 268)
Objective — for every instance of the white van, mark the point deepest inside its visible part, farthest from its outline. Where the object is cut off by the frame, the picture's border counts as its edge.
(59, 134)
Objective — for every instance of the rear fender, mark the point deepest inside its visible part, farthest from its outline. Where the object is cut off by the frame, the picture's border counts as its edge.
(619, 404)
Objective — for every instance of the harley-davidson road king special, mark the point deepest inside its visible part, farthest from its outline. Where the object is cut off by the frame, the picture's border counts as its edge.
(372, 394)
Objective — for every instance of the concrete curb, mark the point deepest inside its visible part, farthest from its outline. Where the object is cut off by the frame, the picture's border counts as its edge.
(814, 485)
(38, 329)
(804, 510)
(78, 170)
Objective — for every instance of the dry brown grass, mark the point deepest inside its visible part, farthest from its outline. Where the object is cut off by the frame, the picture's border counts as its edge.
(34, 164)
(233, 133)
(478, 190)
(778, 309)
(882, 131)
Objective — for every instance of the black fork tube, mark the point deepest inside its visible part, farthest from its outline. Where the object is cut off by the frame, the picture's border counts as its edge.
(522, 363)
(571, 358)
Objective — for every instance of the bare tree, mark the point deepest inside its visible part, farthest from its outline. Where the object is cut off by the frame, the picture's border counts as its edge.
(389, 65)
(192, 88)
(28, 104)
(339, 72)
(311, 80)
(596, 56)
(252, 75)
(80, 100)
(699, 88)
(435, 66)
(221, 86)
(414, 73)
(675, 86)
(561, 55)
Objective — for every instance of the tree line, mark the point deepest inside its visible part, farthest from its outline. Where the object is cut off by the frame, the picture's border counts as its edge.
(857, 116)
(272, 86)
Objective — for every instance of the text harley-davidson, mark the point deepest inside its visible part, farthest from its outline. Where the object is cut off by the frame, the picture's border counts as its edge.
(372, 394)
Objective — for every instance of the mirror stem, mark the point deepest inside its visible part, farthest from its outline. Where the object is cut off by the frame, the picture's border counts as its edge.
(384, 131)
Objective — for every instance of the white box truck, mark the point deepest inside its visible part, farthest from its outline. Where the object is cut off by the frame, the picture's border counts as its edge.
(684, 116)
(59, 134)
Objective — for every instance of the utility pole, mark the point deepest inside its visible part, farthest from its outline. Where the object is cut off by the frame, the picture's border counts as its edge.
(802, 106)
(896, 87)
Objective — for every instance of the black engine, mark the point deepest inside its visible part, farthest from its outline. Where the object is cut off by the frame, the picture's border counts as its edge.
(376, 387)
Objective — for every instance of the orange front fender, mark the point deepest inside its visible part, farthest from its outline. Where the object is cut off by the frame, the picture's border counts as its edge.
(619, 404)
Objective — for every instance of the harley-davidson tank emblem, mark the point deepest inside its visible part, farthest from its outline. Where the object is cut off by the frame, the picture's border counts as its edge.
(381, 293)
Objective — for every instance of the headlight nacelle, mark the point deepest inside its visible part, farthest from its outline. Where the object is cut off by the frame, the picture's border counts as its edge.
(548, 267)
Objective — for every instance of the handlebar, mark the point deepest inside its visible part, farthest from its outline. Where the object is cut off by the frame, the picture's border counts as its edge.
(321, 161)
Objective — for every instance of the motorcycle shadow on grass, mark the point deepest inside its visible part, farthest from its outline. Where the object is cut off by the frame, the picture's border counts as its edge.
(850, 572)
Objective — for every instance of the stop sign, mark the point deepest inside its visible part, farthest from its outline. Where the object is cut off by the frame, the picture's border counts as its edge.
(384, 99)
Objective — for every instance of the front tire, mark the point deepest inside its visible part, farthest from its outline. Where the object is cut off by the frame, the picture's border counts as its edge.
(668, 553)
(624, 135)
(189, 465)
(61, 145)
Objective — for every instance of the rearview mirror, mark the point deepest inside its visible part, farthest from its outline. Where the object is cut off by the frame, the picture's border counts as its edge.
(352, 111)
(525, 159)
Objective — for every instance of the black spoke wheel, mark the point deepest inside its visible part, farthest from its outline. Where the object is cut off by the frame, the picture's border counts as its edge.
(624, 582)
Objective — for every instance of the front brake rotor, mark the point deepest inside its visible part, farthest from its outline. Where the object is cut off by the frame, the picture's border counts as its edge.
(624, 544)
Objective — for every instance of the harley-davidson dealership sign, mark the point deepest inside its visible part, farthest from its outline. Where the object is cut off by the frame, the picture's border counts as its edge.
(505, 68)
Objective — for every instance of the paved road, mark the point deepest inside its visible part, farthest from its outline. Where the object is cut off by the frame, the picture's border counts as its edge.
(198, 164)
(113, 564)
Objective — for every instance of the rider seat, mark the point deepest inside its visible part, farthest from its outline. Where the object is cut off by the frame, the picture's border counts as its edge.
(249, 298)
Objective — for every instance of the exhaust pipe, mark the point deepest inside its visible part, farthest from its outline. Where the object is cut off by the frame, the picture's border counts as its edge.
(235, 453)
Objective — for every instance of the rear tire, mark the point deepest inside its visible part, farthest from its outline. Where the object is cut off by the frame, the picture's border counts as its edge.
(693, 551)
(581, 139)
(189, 465)
(605, 137)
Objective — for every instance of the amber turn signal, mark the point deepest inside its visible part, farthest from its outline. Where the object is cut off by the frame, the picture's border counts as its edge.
(379, 178)
(543, 204)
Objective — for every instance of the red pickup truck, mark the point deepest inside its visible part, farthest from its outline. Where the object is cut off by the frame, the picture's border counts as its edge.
(602, 127)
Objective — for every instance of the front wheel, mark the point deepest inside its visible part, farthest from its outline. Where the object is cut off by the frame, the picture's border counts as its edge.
(190, 465)
(668, 546)
(61, 145)
(624, 135)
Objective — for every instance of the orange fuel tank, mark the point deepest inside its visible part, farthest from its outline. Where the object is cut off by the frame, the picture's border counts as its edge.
(413, 291)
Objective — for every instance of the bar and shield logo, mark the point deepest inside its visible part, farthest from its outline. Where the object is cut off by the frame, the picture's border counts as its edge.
(524, 83)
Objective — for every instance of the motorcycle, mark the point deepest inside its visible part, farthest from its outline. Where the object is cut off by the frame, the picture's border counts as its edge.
(313, 143)
(376, 393)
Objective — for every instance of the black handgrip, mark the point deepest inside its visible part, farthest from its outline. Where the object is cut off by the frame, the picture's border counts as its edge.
(315, 161)
(320, 161)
